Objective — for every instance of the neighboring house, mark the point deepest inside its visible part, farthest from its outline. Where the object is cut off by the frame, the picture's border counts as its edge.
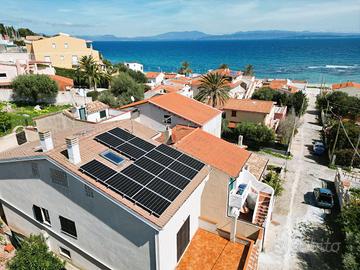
(135, 66)
(154, 78)
(64, 83)
(174, 109)
(62, 50)
(250, 110)
(283, 86)
(105, 198)
(351, 88)
(165, 89)
(94, 111)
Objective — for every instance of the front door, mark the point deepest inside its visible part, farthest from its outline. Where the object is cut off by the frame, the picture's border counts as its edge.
(82, 113)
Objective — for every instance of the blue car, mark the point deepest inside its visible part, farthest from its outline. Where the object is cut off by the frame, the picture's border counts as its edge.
(324, 197)
(319, 148)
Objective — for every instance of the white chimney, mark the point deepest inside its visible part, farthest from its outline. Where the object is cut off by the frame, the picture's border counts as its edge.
(167, 135)
(72, 144)
(235, 212)
(240, 140)
(46, 140)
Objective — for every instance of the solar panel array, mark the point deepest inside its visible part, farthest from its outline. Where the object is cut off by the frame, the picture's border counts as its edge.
(154, 180)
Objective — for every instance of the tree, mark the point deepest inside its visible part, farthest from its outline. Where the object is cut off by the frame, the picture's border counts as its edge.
(223, 66)
(266, 93)
(214, 89)
(23, 32)
(299, 102)
(249, 70)
(34, 255)
(108, 98)
(5, 121)
(34, 88)
(285, 128)
(185, 68)
(123, 87)
(108, 75)
(352, 130)
(90, 69)
(255, 135)
(273, 180)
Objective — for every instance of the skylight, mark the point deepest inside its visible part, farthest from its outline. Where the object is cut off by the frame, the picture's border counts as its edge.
(112, 157)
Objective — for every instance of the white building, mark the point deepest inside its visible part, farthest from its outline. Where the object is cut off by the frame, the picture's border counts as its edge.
(135, 66)
(154, 78)
(174, 109)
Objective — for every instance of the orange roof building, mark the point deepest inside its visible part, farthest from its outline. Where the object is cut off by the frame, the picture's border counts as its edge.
(63, 83)
(248, 105)
(351, 88)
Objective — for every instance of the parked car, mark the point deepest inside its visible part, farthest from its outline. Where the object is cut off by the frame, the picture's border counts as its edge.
(319, 148)
(324, 197)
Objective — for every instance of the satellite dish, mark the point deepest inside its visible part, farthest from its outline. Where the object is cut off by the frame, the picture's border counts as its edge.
(132, 98)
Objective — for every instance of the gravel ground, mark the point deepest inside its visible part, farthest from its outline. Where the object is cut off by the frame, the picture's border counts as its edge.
(300, 236)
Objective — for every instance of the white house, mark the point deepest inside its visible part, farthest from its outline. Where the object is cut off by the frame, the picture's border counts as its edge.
(174, 109)
(94, 111)
(135, 66)
(154, 78)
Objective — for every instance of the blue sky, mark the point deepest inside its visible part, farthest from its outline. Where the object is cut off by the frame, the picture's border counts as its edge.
(143, 18)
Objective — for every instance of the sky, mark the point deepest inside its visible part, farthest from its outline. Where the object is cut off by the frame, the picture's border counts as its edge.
(144, 18)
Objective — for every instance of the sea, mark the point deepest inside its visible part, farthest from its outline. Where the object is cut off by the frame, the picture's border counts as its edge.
(314, 60)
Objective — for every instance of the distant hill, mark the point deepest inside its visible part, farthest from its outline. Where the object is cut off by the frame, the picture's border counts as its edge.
(242, 35)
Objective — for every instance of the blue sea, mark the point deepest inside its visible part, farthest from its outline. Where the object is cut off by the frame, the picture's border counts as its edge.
(331, 60)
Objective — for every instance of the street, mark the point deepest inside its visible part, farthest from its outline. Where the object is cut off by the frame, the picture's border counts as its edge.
(297, 237)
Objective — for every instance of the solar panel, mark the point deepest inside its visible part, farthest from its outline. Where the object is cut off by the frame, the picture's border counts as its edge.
(122, 134)
(168, 151)
(130, 151)
(164, 189)
(142, 144)
(149, 165)
(123, 185)
(191, 162)
(160, 158)
(109, 140)
(174, 179)
(183, 170)
(138, 174)
(152, 201)
(97, 170)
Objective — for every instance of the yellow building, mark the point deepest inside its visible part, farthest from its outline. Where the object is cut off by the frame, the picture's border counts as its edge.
(62, 50)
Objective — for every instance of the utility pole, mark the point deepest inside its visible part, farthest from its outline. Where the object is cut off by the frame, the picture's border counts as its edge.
(356, 147)
(336, 139)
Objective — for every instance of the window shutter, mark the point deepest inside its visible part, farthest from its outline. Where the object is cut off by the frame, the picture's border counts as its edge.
(37, 213)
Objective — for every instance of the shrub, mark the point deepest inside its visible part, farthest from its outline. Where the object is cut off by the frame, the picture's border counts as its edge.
(273, 179)
(285, 128)
(5, 121)
(124, 86)
(108, 98)
(344, 156)
(34, 255)
(35, 88)
(93, 94)
(255, 135)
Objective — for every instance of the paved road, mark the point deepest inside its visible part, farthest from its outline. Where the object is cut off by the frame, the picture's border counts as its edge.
(296, 222)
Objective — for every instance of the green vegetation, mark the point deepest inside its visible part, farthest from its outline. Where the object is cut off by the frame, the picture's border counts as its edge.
(34, 88)
(298, 101)
(286, 127)
(22, 115)
(34, 254)
(91, 71)
(249, 70)
(223, 66)
(273, 180)
(213, 89)
(349, 222)
(123, 87)
(275, 154)
(138, 76)
(185, 68)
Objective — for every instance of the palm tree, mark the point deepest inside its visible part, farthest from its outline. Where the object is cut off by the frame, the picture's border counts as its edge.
(87, 64)
(223, 66)
(214, 89)
(108, 74)
(185, 68)
(249, 70)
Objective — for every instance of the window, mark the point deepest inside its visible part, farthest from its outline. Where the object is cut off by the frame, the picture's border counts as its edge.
(58, 177)
(112, 157)
(233, 113)
(74, 59)
(64, 252)
(68, 226)
(167, 119)
(53, 45)
(35, 169)
(88, 191)
(103, 114)
(2, 75)
(183, 238)
(47, 59)
(61, 57)
(66, 45)
(41, 215)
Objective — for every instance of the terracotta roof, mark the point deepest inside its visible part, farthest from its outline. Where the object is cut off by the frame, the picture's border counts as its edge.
(178, 133)
(62, 82)
(210, 251)
(170, 75)
(196, 81)
(345, 85)
(187, 108)
(168, 88)
(214, 151)
(277, 84)
(257, 165)
(248, 105)
(226, 72)
(95, 106)
(180, 80)
(152, 74)
(90, 149)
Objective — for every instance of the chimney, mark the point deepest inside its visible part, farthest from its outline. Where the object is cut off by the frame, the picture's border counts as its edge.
(73, 150)
(167, 135)
(46, 140)
(246, 167)
(240, 140)
(235, 212)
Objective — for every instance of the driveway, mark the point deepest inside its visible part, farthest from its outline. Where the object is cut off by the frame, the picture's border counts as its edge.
(299, 231)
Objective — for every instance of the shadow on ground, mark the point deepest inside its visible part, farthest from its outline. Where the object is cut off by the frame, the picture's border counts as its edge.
(323, 243)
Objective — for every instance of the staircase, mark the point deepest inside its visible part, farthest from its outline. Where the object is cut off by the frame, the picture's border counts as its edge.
(254, 259)
(262, 208)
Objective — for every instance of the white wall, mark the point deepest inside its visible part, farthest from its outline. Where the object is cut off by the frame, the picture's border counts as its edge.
(214, 126)
(107, 234)
(12, 57)
(167, 237)
(95, 117)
